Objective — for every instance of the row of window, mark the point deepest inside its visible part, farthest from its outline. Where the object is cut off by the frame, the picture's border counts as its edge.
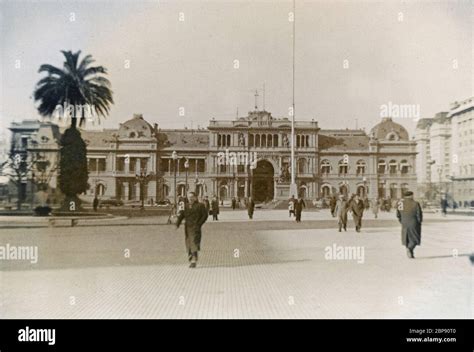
(361, 167)
(194, 165)
(265, 140)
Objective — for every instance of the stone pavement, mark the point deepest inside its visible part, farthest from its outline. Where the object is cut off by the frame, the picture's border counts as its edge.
(268, 268)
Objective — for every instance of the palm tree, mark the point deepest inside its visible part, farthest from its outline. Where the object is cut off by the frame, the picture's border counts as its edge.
(76, 84)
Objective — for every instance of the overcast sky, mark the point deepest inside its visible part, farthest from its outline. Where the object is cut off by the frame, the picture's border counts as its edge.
(401, 52)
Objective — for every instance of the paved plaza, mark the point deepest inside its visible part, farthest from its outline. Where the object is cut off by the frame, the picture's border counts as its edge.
(270, 267)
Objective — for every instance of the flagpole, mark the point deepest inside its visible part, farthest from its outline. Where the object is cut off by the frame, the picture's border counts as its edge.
(293, 189)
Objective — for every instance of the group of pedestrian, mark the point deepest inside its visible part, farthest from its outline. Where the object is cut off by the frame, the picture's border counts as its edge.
(295, 207)
(409, 214)
(354, 205)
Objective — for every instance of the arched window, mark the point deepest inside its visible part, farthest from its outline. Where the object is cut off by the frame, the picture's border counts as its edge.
(393, 190)
(361, 191)
(228, 140)
(251, 140)
(325, 167)
(298, 141)
(393, 167)
(275, 140)
(325, 191)
(360, 167)
(219, 143)
(343, 190)
(392, 136)
(381, 166)
(264, 140)
(404, 167)
(100, 189)
(307, 141)
(302, 166)
(181, 190)
(270, 140)
(343, 167)
(166, 190)
(257, 140)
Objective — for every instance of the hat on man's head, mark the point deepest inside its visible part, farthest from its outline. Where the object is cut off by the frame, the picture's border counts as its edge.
(408, 194)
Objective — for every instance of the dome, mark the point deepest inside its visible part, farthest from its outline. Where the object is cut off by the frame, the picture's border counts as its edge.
(389, 131)
(136, 127)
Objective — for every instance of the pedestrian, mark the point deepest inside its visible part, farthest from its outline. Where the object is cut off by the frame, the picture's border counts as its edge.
(195, 215)
(95, 203)
(366, 203)
(300, 204)
(250, 207)
(375, 207)
(234, 203)
(207, 205)
(332, 205)
(356, 206)
(214, 208)
(341, 212)
(410, 215)
(291, 205)
(444, 204)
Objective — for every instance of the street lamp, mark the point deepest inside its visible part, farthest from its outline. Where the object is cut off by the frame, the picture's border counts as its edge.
(142, 179)
(174, 156)
(186, 167)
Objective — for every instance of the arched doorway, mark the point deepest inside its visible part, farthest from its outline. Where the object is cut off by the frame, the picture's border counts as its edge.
(361, 191)
(343, 190)
(262, 181)
(326, 191)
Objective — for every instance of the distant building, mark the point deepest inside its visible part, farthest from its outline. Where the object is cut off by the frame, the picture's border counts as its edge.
(248, 156)
(445, 148)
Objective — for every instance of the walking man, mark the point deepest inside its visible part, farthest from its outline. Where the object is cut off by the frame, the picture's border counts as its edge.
(214, 208)
(375, 207)
(300, 204)
(444, 204)
(234, 203)
(357, 208)
(250, 207)
(410, 215)
(341, 212)
(332, 205)
(195, 215)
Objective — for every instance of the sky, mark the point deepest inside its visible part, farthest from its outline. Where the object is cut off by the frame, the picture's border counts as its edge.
(207, 58)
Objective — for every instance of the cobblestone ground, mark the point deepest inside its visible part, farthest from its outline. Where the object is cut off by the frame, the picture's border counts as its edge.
(268, 268)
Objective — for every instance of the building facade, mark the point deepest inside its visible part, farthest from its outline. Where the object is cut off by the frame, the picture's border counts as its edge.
(248, 156)
(445, 147)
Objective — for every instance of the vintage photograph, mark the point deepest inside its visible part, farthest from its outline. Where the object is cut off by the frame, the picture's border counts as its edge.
(236, 159)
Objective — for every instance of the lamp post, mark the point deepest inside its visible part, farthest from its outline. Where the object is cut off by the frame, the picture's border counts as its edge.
(186, 167)
(174, 156)
(142, 179)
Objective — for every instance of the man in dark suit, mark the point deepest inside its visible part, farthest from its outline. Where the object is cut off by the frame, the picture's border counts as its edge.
(195, 215)
(357, 208)
(250, 207)
(299, 205)
(410, 215)
(214, 208)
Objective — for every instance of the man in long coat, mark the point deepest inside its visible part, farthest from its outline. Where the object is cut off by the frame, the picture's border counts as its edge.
(341, 212)
(195, 215)
(299, 205)
(410, 215)
(357, 208)
(250, 207)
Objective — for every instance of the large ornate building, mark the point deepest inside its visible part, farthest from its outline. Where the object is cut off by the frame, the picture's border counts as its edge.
(248, 156)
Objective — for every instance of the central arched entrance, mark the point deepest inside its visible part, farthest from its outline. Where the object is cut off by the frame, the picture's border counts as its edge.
(262, 181)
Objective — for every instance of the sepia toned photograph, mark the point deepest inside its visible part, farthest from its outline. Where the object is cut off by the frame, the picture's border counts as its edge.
(236, 160)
